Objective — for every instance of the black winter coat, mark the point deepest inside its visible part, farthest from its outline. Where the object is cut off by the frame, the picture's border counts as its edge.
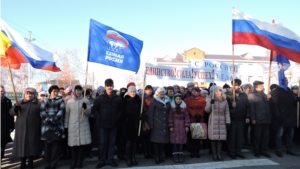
(7, 121)
(259, 106)
(284, 107)
(131, 114)
(242, 109)
(107, 110)
(158, 120)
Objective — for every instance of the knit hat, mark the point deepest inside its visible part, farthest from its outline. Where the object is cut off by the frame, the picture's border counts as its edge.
(160, 89)
(130, 89)
(178, 95)
(215, 88)
(131, 84)
(43, 93)
(52, 88)
(100, 89)
(109, 82)
(203, 92)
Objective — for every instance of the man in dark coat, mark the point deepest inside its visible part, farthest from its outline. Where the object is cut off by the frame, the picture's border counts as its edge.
(7, 121)
(239, 114)
(28, 128)
(286, 117)
(260, 117)
(108, 109)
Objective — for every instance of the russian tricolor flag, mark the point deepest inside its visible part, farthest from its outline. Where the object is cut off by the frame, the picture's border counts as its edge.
(16, 50)
(248, 30)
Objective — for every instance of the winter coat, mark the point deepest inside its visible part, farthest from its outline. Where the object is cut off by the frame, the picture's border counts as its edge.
(78, 125)
(178, 122)
(158, 119)
(108, 110)
(242, 109)
(217, 121)
(131, 112)
(53, 109)
(259, 107)
(146, 105)
(284, 107)
(7, 121)
(195, 106)
(27, 129)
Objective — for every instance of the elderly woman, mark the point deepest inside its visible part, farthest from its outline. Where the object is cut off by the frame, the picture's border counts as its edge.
(28, 128)
(78, 110)
(158, 121)
(131, 111)
(219, 120)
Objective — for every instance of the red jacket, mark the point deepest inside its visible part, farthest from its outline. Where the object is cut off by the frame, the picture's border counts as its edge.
(195, 106)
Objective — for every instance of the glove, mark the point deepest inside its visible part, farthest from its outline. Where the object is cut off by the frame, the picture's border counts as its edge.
(198, 117)
(84, 106)
(227, 126)
(17, 109)
(49, 121)
(212, 101)
(279, 119)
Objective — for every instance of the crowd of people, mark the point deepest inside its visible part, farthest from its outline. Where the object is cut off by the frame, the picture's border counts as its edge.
(67, 123)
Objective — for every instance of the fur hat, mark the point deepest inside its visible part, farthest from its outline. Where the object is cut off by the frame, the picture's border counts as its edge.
(52, 88)
(178, 95)
(131, 84)
(296, 87)
(237, 82)
(226, 86)
(31, 90)
(214, 88)
(77, 87)
(43, 93)
(160, 89)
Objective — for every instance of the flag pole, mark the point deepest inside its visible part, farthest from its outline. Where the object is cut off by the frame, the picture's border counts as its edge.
(86, 74)
(298, 107)
(270, 64)
(142, 104)
(13, 86)
(233, 69)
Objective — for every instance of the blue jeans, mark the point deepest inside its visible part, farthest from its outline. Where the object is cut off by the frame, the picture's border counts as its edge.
(107, 140)
(289, 134)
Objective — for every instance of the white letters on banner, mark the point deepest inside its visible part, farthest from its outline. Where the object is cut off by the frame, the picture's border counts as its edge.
(199, 70)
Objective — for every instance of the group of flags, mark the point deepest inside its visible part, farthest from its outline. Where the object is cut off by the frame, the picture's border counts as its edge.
(111, 47)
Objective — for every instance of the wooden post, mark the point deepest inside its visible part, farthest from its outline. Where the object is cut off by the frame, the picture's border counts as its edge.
(142, 105)
(13, 86)
(270, 66)
(86, 73)
(233, 69)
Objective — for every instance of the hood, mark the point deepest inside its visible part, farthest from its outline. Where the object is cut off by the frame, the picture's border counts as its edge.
(223, 97)
(162, 101)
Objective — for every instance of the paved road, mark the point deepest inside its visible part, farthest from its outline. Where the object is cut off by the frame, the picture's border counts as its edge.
(205, 161)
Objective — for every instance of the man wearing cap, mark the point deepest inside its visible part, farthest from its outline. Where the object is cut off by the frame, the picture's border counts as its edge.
(260, 117)
(239, 114)
(28, 128)
(107, 108)
(286, 117)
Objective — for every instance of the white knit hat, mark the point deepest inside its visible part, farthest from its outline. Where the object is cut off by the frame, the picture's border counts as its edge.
(130, 88)
(160, 89)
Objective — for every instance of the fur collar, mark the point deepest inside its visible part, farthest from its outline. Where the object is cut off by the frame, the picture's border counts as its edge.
(223, 97)
(182, 105)
(162, 101)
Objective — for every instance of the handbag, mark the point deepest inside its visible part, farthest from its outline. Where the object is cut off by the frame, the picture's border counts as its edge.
(198, 130)
(146, 127)
(53, 135)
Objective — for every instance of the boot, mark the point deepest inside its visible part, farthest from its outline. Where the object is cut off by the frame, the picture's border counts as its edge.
(128, 153)
(30, 162)
(214, 150)
(134, 162)
(74, 157)
(161, 147)
(219, 149)
(180, 157)
(80, 156)
(175, 157)
(156, 151)
(23, 163)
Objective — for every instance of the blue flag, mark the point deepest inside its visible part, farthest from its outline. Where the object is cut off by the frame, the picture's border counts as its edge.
(283, 64)
(113, 48)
